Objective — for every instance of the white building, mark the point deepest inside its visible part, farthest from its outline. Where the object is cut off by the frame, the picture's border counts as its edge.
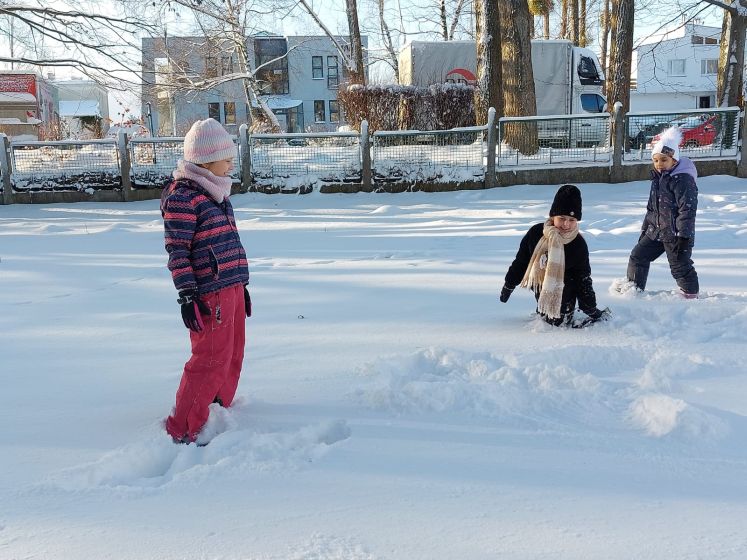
(677, 69)
(84, 108)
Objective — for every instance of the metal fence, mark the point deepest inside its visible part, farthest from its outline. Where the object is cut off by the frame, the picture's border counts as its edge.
(457, 154)
(290, 161)
(65, 165)
(529, 141)
(152, 160)
(332, 157)
(705, 132)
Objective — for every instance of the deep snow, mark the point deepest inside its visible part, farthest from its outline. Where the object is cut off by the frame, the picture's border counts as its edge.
(390, 406)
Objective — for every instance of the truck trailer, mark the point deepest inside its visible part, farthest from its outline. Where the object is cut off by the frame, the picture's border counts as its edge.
(568, 80)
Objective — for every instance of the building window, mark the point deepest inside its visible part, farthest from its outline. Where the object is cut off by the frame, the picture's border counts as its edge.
(709, 66)
(334, 111)
(676, 67)
(711, 41)
(696, 39)
(319, 114)
(214, 111)
(226, 65)
(333, 79)
(229, 112)
(211, 67)
(272, 65)
(317, 67)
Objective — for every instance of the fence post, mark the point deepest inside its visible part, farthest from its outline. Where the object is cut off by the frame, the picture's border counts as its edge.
(5, 169)
(618, 142)
(246, 159)
(742, 165)
(124, 165)
(490, 178)
(365, 156)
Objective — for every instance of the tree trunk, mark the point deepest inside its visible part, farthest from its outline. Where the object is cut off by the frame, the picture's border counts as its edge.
(357, 71)
(388, 43)
(621, 53)
(730, 69)
(583, 39)
(564, 19)
(489, 91)
(546, 17)
(574, 22)
(605, 34)
(442, 19)
(262, 117)
(518, 79)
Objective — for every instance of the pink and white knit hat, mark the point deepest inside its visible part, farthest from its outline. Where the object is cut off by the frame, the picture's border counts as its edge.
(207, 141)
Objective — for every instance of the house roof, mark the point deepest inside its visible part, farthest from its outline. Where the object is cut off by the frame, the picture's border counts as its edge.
(16, 97)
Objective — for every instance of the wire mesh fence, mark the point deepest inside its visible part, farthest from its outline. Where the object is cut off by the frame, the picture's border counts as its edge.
(436, 155)
(532, 141)
(705, 132)
(65, 165)
(332, 157)
(152, 160)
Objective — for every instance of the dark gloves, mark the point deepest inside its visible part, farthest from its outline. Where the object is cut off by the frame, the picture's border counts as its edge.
(600, 314)
(192, 309)
(247, 302)
(505, 293)
(681, 245)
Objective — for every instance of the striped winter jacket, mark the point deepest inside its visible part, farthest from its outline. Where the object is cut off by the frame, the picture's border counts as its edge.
(202, 240)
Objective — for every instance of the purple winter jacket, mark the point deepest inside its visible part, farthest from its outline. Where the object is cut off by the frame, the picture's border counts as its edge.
(672, 203)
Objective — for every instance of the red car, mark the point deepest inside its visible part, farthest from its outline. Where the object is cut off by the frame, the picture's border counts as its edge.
(696, 130)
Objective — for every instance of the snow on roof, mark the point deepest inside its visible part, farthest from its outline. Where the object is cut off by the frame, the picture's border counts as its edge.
(16, 97)
(281, 102)
(82, 108)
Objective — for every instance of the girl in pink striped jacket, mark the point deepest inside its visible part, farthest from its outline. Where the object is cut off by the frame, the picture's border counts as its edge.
(209, 268)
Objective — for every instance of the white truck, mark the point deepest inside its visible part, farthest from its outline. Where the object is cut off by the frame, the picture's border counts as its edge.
(568, 80)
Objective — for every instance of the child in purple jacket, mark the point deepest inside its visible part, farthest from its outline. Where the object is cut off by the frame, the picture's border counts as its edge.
(209, 268)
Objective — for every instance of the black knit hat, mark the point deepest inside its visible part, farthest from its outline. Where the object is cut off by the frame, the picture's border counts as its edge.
(567, 202)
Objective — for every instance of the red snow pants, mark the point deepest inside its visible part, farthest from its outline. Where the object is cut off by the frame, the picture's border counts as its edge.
(215, 366)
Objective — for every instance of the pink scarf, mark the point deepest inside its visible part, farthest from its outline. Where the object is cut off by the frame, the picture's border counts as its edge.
(218, 187)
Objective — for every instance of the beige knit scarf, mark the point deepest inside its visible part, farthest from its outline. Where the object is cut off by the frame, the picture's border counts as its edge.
(546, 269)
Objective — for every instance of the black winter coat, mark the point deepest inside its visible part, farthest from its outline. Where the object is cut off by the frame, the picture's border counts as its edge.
(577, 278)
(672, 203)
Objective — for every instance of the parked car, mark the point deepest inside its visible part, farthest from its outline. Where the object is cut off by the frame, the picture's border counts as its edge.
(646, 134)
(696, 130)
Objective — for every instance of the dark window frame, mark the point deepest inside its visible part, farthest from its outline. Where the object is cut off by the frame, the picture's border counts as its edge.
(214, 111)
(333, 72)
(317, 70)
(320, 109)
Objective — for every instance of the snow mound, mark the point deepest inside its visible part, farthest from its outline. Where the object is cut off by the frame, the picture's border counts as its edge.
(157, 461)
(322, 547)
(438, 380)
(660, 415)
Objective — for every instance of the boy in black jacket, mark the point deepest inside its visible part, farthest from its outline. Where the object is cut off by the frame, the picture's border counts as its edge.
(553, 261)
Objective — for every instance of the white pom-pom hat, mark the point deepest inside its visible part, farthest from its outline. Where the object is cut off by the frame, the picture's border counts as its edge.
(668, 143)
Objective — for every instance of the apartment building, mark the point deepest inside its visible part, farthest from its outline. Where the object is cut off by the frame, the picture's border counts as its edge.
(677, 69)
(299, 77)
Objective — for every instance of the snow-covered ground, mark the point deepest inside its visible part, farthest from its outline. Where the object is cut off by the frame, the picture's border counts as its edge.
(390, 406)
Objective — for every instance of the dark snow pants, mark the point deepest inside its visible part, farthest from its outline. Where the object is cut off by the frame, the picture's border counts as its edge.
(212, 373)
(647, 250)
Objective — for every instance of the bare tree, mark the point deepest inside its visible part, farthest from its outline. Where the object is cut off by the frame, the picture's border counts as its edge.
(731, 55)
(386, 36)
(225, 26)
(352, 52)
(621, 53)
(489, 92)
(99, 45)
(604, 33)
(542, 8)
(518, 78)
